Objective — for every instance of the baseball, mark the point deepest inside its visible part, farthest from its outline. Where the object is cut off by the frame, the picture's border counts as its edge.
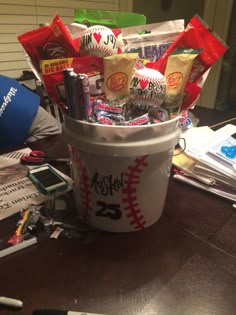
(148, 87)
(98, 40)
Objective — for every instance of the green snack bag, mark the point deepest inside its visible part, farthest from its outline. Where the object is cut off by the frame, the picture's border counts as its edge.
(112, 19)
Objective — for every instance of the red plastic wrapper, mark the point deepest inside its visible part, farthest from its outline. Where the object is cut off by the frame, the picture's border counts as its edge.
(187, 120)
(49, 42)
(196, 35)
(142, 120)
(191, 96)
(53, 78)
(103, 120)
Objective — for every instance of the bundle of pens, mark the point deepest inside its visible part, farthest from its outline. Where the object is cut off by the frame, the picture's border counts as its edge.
(136, 75)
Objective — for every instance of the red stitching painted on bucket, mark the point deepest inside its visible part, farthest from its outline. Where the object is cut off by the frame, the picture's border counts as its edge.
(85, 195)
(85, 192)
(134, 215)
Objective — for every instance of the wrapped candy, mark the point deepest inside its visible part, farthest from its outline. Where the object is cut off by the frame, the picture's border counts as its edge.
(49, 42)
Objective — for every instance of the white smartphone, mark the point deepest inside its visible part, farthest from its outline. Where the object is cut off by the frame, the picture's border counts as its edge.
(47, 179)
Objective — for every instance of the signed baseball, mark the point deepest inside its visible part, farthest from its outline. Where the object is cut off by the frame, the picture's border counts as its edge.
(98, 40)
(148, 87)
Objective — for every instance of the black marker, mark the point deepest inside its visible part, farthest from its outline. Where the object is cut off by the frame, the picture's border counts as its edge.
(9, 302)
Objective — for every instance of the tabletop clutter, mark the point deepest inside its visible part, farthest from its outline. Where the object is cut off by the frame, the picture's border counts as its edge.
(126, 89)
(208, 160)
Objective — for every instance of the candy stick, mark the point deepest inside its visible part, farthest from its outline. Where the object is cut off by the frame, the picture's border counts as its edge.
(77, 96)
(68, 73)
(86, 95)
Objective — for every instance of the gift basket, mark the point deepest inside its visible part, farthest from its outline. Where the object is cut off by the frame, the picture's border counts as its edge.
(126, 93)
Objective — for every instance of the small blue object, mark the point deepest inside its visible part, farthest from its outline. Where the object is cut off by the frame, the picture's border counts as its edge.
(229, 151)
(184, 122)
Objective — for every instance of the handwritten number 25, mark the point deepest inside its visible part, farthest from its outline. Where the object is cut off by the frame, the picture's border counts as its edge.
(111, 210)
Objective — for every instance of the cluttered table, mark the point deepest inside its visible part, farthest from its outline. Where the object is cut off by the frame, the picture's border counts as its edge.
(185, 263)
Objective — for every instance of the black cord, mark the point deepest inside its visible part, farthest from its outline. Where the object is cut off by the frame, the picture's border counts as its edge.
(179, 148)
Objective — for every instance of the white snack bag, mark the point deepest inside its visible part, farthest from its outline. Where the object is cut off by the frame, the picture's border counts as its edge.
(75, 29)
(150, 41)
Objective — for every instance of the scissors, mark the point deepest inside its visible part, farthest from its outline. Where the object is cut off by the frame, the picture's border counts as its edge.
(38, 157)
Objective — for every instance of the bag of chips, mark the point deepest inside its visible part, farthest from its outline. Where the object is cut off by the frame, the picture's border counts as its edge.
(150, 41)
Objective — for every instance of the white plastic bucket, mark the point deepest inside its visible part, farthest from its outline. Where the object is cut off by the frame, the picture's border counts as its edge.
(120, 173)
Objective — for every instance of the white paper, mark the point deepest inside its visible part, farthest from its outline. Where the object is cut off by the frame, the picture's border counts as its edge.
(198, 142)
(211, 189)
(16, 190)
(13, 157)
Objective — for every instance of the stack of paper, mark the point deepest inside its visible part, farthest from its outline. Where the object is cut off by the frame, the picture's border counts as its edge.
(13, 157)
(207, 160)
(17, 191)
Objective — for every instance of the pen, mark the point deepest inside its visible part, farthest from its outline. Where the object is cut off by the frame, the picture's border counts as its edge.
(60, 312)
(10, 302)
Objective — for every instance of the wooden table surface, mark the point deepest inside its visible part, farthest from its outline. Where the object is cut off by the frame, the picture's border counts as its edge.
(184, 264)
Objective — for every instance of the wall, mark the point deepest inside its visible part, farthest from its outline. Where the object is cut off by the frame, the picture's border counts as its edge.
(226, 96)
(17, 17)
(164, 10)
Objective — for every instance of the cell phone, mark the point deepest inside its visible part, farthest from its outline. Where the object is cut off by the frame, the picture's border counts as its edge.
(47, 179)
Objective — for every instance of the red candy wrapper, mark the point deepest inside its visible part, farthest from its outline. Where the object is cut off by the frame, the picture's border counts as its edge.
(49, 42)
(196, 35)
(142, 120)
(103, 120)
(53, 78)
(188, 120)
(191, 95)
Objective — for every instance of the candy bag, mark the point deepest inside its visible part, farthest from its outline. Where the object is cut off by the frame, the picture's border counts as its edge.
(49, 42)
(118, 70)
(112, 19)
(191, 96)
(197, 34)
(177, 71)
